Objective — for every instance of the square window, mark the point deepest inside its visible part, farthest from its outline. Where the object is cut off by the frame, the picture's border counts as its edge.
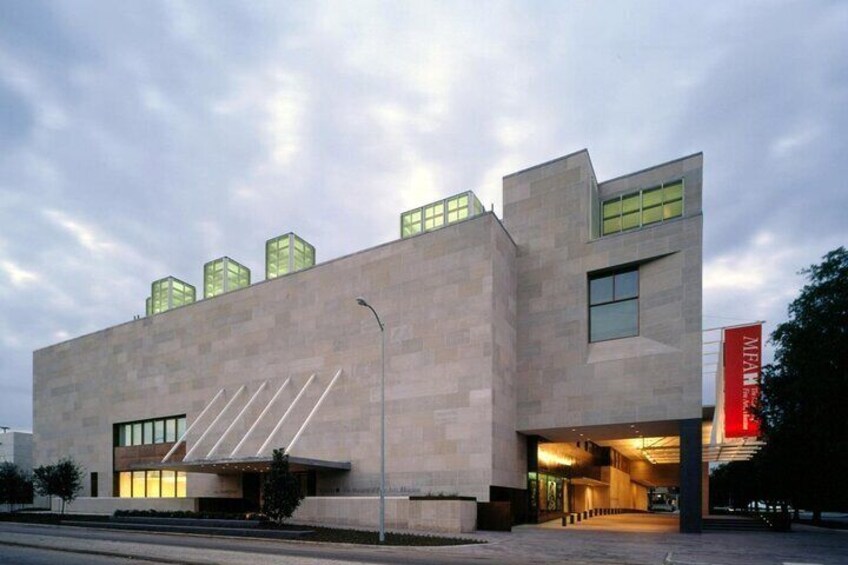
(673, 210)
(651, 197)
(630, 203)
(630, 220)
(613, 225)
(612, 208)
(652, 215)
(673, 191)
(614, 305)
(614, 320)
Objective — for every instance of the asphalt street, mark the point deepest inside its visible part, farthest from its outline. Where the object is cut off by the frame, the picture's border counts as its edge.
(634, 539)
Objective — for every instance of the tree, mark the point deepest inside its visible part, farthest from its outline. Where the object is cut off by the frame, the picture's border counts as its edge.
(281, 489)
(803, 395)
(64, 480)
(15, 485)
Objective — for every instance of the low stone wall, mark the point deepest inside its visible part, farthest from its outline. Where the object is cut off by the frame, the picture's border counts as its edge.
(433, 515)
(430, 515)
(108, 505)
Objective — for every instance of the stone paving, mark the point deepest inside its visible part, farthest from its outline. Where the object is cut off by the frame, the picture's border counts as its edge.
(653, 538)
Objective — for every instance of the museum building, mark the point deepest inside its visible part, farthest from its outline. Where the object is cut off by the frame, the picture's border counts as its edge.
(551, 359)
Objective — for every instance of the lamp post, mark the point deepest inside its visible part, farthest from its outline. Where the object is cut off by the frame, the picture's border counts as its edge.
(362, 302)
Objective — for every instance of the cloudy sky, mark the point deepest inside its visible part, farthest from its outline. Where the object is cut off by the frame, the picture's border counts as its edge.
(141, 139)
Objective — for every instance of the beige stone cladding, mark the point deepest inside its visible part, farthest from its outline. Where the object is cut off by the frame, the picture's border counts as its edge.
(448, 301)
(552, 213)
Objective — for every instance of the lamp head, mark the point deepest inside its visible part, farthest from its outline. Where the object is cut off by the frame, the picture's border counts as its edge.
(361, 301)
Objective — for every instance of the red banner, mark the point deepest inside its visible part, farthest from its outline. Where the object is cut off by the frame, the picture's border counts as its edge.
(743, 349)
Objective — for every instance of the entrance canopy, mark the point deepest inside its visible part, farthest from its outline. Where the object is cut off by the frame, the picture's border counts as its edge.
(249, 465)
(238, 430)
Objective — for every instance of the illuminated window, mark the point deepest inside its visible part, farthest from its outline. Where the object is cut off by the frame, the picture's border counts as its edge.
(152, 483)
(286, 254)
(181, 484)
(169, 484)
(614, 305)
(224, 275)
(138, 484)
(440, 214)
(410, 223)
(170, 293)
(642, 208)
(125, 484)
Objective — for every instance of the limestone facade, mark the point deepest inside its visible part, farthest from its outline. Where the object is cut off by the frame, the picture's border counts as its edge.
(486, 345)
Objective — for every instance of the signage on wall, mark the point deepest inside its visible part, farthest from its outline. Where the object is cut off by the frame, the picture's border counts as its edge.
(743, 348)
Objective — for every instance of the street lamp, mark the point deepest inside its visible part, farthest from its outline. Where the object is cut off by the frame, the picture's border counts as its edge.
(361, 301)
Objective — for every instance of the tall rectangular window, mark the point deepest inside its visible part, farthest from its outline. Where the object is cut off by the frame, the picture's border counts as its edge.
(181, 484)
(169, 484)
(159, 431)
(138, 483)
(125, 484)
(153, 484)
(170, 430)
(614, 305)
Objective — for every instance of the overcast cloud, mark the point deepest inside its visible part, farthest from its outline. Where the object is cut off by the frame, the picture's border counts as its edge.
(142, 139)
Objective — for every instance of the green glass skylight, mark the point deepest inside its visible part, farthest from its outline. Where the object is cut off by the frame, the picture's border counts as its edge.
(642, 208)
(223, 275)
(286, 254)
(169, 293)
(440, 214)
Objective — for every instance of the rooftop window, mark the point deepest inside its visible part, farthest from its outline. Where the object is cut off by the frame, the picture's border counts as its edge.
(440, 214)
(169, 293)
(224, 275)
(642, 208)
(286, 254)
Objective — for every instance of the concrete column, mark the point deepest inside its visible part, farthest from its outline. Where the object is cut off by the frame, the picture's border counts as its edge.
(690, 476)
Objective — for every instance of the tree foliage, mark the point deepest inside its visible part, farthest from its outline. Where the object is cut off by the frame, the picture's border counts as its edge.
(15, 485)
(804, 391)
(62, 480)
(281, 489)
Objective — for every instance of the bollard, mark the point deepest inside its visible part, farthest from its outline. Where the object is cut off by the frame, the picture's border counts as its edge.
(571, 518)
(564, 520)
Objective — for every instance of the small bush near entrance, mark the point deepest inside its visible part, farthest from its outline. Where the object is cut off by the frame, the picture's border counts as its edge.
(281, 490)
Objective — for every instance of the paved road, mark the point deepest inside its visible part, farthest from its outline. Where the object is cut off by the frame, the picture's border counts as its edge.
(10, 555)
(635, 539)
